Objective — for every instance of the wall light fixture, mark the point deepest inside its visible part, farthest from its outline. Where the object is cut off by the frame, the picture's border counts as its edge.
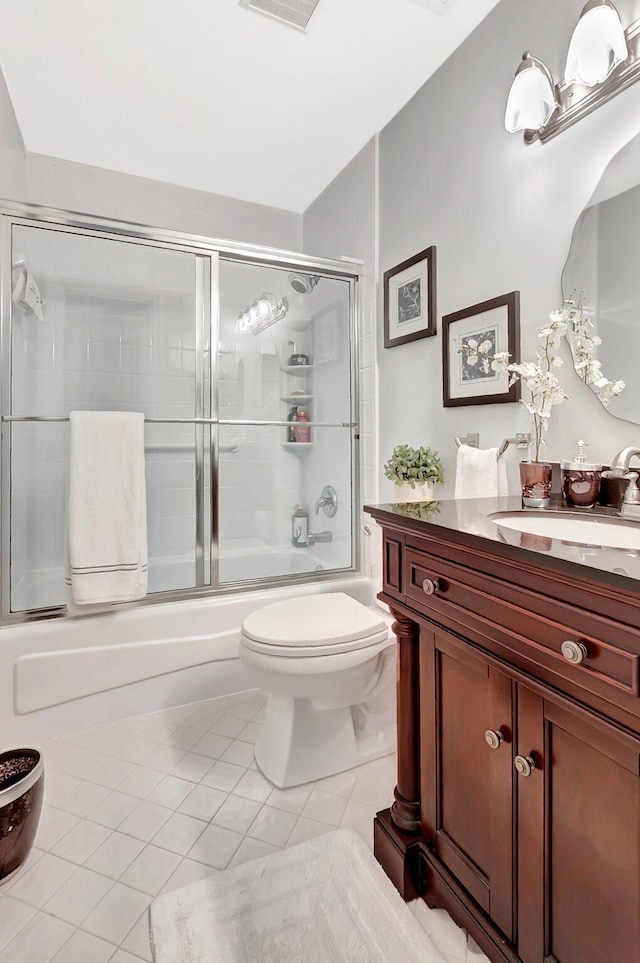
(532, 98)
(597, 46)
(603, 59)
(265, 311)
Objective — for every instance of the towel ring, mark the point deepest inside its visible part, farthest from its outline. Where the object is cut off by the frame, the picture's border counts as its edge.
(472, 440)
(521, 440)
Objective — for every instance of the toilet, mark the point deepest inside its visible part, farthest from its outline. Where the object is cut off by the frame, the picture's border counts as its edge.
(327, 665)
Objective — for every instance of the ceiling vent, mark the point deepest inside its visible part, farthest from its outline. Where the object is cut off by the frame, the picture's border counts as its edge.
(295, 13)
(438, 6)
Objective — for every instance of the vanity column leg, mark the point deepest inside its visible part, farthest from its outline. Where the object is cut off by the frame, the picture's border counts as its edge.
(405, 811)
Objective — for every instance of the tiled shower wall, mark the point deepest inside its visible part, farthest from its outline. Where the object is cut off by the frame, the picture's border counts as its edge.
(117, 334)
(258, 481)
(329, 461)
(262, 480)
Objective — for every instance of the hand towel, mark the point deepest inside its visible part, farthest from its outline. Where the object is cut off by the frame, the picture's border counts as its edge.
(480, 473)
(107, 508)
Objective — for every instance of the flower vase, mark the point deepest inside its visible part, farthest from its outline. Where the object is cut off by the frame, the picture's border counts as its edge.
(422, 492)
(535, 479)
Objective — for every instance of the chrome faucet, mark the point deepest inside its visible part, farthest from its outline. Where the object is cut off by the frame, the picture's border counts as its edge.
(328, 502)
(620, 466)
(621, 461)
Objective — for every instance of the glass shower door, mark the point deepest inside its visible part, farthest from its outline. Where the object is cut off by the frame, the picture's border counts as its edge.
(285, 409)
(123, 326)
(244, 373)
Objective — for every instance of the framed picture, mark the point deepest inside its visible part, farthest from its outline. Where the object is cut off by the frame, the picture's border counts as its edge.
(410, 299)
(470, 339)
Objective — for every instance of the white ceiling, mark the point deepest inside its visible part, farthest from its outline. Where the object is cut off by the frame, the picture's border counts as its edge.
(206, 94)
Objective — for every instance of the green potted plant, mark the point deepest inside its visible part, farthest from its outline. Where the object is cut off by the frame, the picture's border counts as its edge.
(414, 471)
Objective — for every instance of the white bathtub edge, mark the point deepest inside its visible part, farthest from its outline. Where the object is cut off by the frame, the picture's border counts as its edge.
(46, 679)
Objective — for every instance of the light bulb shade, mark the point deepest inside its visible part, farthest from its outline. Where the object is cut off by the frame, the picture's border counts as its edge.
(253, 316)
(242, 324)
(597, 46)
(264, 309)
(532, 99)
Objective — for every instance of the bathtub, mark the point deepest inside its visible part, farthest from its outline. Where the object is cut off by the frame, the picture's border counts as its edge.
(63, 674)
(250, 562)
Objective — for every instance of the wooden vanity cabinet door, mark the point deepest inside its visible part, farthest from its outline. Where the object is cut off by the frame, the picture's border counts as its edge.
(467, 787)
(580, 901)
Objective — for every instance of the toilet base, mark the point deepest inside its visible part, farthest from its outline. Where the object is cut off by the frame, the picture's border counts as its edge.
(300, 743)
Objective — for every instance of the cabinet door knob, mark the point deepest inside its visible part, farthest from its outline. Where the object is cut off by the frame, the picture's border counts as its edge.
(574, 652)
(430, 586)
(494, 738)
(525, 765)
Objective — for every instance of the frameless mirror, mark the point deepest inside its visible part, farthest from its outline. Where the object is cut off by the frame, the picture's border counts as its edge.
(601, 289)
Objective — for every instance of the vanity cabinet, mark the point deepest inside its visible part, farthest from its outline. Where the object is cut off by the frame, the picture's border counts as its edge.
(467, 792)
(518, 800)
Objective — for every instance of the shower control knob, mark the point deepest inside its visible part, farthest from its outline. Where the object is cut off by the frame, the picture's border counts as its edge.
(524, 765)
(430, 586)
(574, 652)
(494, 738)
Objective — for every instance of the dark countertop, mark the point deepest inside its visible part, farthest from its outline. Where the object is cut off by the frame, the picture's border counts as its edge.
(466, 520)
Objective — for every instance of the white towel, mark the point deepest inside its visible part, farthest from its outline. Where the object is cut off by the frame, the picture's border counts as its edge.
(480, 473)
(107, 508)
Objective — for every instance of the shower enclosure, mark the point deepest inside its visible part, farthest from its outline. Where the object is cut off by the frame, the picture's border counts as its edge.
(219, 345)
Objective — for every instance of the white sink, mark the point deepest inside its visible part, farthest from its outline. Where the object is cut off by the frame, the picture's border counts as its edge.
(594, 530)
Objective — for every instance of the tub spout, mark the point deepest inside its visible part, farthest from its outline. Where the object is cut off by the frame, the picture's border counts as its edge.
(320, 537)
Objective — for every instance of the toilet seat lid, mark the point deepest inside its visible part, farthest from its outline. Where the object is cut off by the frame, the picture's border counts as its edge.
(313, 621)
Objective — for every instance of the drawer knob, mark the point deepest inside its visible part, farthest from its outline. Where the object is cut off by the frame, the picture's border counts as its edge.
(430, 586)
(494, 738)
(525, 765)
(574, 652)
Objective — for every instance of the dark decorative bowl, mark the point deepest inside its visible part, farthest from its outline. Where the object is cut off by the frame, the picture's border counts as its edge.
(21, 793)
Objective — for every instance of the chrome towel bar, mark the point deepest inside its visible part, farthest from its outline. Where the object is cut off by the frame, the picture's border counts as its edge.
(194, 421)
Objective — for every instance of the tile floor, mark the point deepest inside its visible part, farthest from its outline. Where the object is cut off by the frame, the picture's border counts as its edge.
(146, 805)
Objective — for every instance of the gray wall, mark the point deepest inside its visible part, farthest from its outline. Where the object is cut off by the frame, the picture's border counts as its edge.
(52, 182)
(342, 221)
(12, 156)
(10, 136)
(501, 215)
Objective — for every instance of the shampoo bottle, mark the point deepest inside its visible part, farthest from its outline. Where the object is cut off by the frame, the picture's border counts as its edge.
(300, 528)
(292, 417)
(302, 431)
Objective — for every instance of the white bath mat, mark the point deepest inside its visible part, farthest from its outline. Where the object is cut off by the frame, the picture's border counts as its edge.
(324, 901)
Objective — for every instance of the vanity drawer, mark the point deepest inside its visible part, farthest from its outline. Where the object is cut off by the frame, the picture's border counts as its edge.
(590, 651)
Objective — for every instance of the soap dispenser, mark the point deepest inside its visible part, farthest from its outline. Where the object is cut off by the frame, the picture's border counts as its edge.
(581, 479)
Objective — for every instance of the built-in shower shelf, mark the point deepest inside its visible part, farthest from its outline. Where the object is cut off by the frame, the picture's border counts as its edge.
(298, 447)
(298, 369)
(296, 399)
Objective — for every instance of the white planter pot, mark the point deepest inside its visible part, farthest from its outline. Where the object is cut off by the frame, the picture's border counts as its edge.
(405, 493)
